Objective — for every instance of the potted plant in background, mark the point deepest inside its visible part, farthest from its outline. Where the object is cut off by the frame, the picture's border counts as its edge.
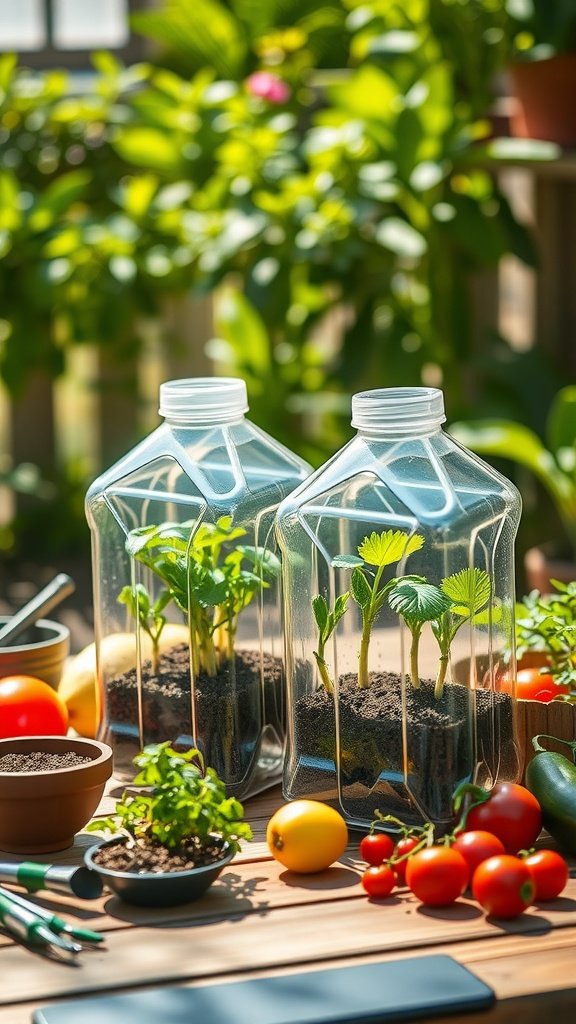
(172, 839)
(546, 665)
(553, 462)
(543, 73)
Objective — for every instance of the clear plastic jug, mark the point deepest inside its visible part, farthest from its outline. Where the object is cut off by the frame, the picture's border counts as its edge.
(398, 566)
(187, 586)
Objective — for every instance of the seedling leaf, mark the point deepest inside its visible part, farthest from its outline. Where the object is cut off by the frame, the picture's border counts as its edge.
(321, 613)
(361, 590)
(389, 546)
(418, 602)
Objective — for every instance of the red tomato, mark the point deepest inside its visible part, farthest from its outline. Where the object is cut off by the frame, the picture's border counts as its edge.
(30, 707)
(437, 875)
(503, 886)
(549, 872)
(376, 848)
(476, 847)
(379, 881)
(512, 813)
(404, 846)
(532, 684)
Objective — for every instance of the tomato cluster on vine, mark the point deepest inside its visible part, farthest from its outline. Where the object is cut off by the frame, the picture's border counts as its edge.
(489, 852)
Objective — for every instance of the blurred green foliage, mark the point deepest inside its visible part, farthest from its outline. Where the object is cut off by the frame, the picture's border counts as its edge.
(320, 167)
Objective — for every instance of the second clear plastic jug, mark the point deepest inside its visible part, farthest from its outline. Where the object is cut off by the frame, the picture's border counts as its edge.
(399, 616)
(187, 587)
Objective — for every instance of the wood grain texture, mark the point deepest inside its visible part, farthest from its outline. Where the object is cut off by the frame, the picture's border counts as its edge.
(260, 918)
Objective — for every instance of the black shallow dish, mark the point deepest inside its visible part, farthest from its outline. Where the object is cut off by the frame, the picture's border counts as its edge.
(165, 889)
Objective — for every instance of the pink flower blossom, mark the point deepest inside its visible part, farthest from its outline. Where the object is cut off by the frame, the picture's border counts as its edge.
(268, 87)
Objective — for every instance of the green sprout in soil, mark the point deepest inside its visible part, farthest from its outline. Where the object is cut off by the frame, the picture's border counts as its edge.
(327, 621)
(460, 598)
(417, 603)
(376, 552)
(181, 800)
(210, 582)
(147, 613)
(469, 592)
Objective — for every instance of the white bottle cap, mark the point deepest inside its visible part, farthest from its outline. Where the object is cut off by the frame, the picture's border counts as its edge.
(203, 399)
(398, 410)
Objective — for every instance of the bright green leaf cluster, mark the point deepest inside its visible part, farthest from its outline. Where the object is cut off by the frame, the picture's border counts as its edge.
(181, 799)
(207, 578)
(459, 598)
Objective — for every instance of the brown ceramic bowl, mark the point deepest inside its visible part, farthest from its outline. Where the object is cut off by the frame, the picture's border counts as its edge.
(40, 651)
(41, 811)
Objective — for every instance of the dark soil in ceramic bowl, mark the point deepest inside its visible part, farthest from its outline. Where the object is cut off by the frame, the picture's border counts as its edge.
(437, 744)
(50, 786)
(149, 875)
(228, 708)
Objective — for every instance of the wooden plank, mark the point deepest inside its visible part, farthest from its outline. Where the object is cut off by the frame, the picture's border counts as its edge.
(266, 936)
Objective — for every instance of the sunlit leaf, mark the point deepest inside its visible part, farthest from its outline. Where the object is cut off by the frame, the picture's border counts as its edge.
(389, 546)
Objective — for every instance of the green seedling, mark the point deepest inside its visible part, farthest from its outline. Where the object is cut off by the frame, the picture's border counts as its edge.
(208, 580)
(417, 603)
(327, 621)
(147, 613)
(181, 800)
(468, 592)
(376, 552)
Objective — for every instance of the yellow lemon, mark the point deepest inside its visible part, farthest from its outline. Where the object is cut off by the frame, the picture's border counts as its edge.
(306, 836)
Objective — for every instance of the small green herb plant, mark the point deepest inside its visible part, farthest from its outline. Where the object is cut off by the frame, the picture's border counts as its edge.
(148, 613)
(547, 623)
(460, 598)
(182, 800)
(209, 580)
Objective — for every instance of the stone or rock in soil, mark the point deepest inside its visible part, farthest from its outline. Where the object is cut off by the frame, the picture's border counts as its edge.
(41, 761)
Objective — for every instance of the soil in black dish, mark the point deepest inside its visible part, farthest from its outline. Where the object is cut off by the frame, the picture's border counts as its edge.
(41, 761)
(371, 741)
(151, 857)
(228, 706)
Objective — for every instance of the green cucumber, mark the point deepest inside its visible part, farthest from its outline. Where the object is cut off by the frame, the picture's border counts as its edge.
(551, 777)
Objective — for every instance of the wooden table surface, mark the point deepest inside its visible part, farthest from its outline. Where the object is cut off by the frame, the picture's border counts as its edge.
(259, 918)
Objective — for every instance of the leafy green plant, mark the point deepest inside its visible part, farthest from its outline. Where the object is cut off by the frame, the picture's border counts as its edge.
(147, 613)
(375, 553)
(417, 603)
(468, 592)
(547, 623)
(552, 460)
(460, 598)
(182, 799)
(327, 621)
(208, 581)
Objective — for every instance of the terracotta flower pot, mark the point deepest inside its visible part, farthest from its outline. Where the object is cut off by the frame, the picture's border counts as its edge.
(41, 811)
(544, 91)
